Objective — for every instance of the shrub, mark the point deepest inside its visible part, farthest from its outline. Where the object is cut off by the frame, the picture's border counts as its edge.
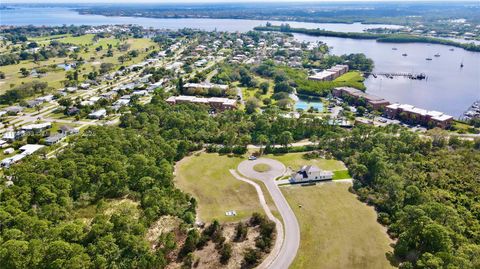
(226, 253)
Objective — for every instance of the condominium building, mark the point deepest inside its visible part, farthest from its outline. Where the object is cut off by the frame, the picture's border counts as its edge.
(417, 115)
(218, 103)
(330, 74)
(373, 101)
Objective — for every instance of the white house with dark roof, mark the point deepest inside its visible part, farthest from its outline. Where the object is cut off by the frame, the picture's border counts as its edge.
(311, 173)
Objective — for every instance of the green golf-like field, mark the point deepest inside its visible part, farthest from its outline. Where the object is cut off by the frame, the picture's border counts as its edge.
(336, 230)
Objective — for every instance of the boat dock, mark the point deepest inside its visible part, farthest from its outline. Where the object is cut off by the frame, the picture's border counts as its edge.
(415, 76)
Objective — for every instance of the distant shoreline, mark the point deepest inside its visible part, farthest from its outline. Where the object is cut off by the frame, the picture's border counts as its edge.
(236, 17)
(386, 38)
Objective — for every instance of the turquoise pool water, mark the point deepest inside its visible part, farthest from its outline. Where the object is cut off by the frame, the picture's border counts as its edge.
(305, 105)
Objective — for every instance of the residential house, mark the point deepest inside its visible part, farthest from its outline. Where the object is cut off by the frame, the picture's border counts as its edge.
(109, 95)
(13, 109)
(84, 86)
(25, 151)
(98, 114)
(34, 103)
(73, 111)
(36, 128)
(311, 173)
(11, 136)
(68, 130)
(30, 148)
(53, 139)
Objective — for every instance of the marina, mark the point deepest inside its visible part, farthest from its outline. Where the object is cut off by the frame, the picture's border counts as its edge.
(456, 68)
(450, 88)
(413, 76)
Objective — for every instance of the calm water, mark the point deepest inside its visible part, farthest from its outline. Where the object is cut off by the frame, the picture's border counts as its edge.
(449, 88)
(60, 16)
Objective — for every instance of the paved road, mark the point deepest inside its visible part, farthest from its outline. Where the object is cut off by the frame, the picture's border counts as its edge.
(278, 224)
(291, 242)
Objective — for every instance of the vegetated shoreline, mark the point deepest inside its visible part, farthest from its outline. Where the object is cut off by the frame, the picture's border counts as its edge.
(237, 17)
(386, 38)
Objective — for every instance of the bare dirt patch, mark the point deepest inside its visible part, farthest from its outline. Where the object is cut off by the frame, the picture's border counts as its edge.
(209, 257)
(165, 224)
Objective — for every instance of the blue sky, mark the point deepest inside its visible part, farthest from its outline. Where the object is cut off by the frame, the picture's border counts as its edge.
(197, 1)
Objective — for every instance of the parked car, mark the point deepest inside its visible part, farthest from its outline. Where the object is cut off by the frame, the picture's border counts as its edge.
(252, 158)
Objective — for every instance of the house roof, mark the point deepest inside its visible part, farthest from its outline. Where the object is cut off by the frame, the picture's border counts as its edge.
(310, 168)
(30, 148)
(54, 138)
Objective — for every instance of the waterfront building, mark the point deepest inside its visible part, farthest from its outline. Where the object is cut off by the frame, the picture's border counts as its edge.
(415, 115)
(361, 98)
(330, 74)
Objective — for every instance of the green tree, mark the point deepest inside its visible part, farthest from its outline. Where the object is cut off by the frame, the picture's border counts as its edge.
(264, 86)
(262, 140)
(285, 139)
(24, 72)
(251, 105)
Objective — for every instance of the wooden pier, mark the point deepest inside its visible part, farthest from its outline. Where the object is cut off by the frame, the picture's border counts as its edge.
(415, 76)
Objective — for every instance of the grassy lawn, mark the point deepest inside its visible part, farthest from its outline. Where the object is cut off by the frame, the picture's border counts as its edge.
(56, 126)
(352, 78)
(341, 174)
(208, 179)
(463, 128)
(250, 92)
(337, 230)
(47, 38)
(261, 167)
(296, 160)
(108, 207)
(78, 40)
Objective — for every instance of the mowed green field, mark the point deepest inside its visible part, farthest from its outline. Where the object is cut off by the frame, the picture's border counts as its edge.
(296, 160)
(208, 179)
(337, 230)
(352, 78)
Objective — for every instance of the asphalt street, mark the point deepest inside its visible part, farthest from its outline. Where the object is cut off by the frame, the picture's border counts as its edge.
(291, 241)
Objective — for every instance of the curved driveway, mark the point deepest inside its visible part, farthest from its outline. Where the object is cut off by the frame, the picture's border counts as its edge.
(291, 242)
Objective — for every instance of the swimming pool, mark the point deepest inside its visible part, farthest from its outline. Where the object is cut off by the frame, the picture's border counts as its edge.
(305, 105)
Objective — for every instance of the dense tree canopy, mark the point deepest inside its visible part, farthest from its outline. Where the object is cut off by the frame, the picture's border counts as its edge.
(425, 191)
(425, 188)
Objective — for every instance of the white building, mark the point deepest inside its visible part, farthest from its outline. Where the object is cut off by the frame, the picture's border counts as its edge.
(97, 114)
(26, 150)
(205, 85)
(311, 173)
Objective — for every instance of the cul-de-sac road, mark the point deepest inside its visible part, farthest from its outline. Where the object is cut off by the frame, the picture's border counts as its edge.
(283, 257)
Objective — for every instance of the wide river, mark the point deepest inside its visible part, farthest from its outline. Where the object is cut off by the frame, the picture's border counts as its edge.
(449, 88)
